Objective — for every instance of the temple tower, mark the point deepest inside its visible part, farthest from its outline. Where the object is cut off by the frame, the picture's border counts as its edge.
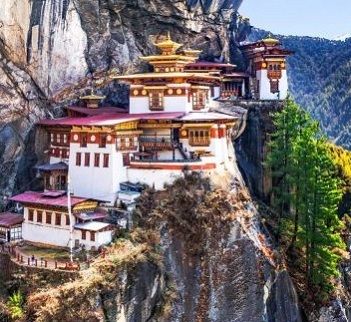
(267, 68)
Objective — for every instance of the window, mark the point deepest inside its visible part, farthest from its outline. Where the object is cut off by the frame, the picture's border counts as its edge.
(65, 138)
(92, 235)
(199, 99)
(97, 160)
(65, 154)
(83, 140)
(84, 235)
(31, 215)
(199, 137)
(16, 233)
(126, 159)
(78, 159)
(156, 100)
(67, 220)
(39, 216)
(106, 160)
(103, 141)
(274, 71)
(48, 218)
(58, 138)
(87, 159)
(52, 137)
(58, 219)
(274, 86)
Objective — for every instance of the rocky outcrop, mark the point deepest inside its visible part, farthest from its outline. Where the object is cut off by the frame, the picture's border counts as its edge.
(233, 281)
(126, 285)
(219, 258)
(252, 146)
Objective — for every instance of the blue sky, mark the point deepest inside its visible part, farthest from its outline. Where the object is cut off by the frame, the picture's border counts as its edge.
(323, 18)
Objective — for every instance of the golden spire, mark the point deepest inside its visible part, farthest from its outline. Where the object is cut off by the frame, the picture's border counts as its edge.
(270, 39)
(168, 46)
(92, 96)
(92, 100)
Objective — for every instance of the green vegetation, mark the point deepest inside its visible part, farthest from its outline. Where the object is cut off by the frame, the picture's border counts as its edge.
(319, 77)
(306, 196)
(15, 305)
(342, 160)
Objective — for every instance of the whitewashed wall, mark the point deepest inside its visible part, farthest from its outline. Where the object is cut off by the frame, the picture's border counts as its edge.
(45, 233)
(172, 104)
(96, 182)
(265, 87)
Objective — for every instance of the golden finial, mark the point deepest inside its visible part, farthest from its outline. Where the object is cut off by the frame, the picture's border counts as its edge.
(169, 35)
(269, 39)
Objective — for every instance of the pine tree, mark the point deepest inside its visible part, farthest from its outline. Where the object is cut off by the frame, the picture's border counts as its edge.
(306, 194)
(281, 158)
(319, 233)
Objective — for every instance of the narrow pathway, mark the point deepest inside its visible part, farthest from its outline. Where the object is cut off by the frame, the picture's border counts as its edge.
(20, 258)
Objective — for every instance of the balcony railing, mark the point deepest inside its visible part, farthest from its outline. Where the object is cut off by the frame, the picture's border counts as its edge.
(199, 141)
(158, 143)
(151, 160)
(155, 139)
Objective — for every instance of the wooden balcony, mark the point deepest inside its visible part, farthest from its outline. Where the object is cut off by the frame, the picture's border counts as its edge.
(125, 147)
(156, 143)
(199, 141)
(275, 74)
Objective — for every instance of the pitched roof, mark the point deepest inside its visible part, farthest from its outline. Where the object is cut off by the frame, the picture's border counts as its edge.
(9, 219)
(109, 119)
(206, 116)
(210, 64)
(47, 167)
(41, 198)
(93, 226)
(94, 215)
(96, 111)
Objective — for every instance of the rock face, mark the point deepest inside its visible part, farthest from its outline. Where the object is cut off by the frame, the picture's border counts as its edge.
(251, 147)
(232, 282)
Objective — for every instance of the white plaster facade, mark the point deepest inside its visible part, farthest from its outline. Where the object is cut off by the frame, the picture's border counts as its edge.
(140, 105)
(265, 87)
(100, 183)
(59, 235)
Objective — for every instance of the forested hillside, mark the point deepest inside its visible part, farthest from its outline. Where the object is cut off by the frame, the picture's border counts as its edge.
(320, 81)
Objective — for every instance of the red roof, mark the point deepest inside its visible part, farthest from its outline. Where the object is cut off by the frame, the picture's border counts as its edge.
(9, 219)
(39, 198)
(96, 111)
(109, 119)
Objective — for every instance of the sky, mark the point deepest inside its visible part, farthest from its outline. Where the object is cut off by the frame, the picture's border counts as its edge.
(317, 18)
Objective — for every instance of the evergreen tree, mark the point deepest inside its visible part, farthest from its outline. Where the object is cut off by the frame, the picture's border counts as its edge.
(306, 194)
(281, 158)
